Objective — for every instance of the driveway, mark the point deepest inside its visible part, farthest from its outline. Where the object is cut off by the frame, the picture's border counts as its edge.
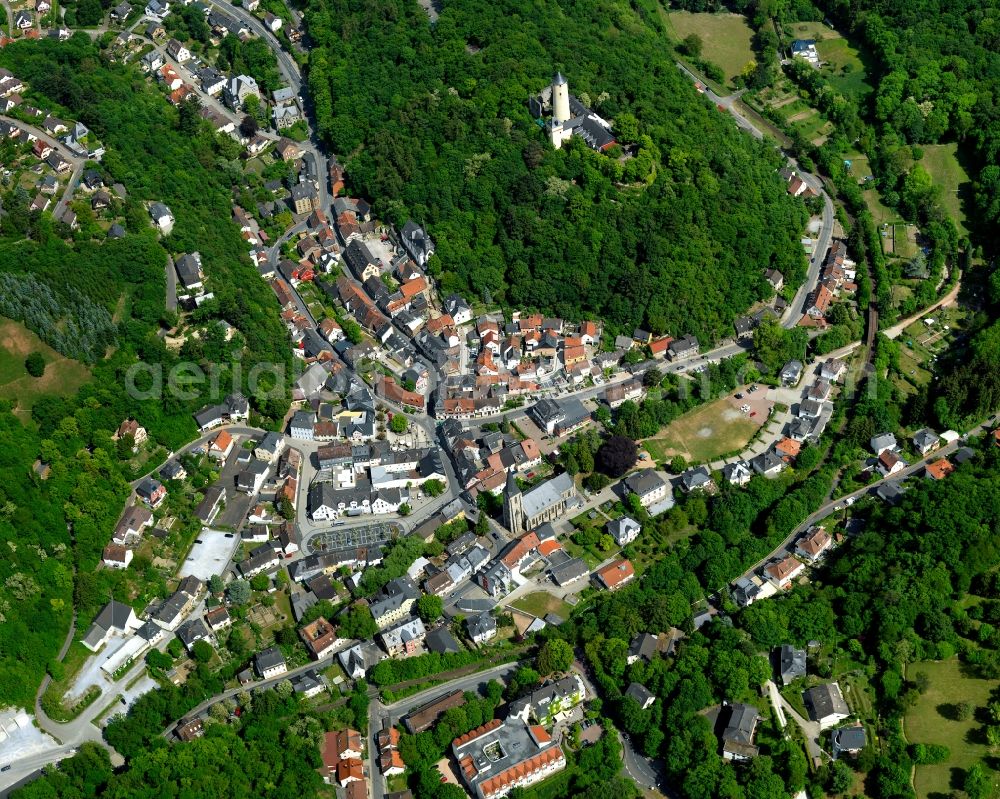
(810, 729)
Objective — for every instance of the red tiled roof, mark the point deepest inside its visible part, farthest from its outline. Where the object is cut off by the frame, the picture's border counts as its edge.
(616, 573)
(489, 726)
(498, 784)
(783, 569)
(940, 469)
(548, 547)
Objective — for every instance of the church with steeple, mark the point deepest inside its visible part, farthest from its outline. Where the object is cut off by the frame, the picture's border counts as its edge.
(525, 510)
(568, 117)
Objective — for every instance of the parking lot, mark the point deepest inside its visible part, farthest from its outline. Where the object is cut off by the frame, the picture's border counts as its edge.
(210, 554)
(237, 503)
(374, 533)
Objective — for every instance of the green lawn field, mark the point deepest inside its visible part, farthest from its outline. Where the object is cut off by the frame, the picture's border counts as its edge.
(726, 38)
(941, 162)
(62, 376)
(704, 434)
(932, 721)
(540, 603)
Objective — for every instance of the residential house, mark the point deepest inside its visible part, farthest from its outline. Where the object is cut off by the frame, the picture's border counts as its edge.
(814, 544)
(768, 463)
(697, 479)
(775, 278)
(221, 446)
(482, 627)
(791, 373)
(615, 574)
(320, 638)
(133, 521)
(120, 12)
(151, 492)
(683, 348)
(889, 463)
(738, 734)
(781, 573)
(791, 663)
(417, 243)
(116, 556)
(551, 703)
(737, 473)
(237, 89)
(641, 694)
(624, 530)
(162, 217)
(848, 740)
(115, 618)
(926, 441)
(826, 705)
(939, 470)
(651, 488)
(832, 369)
(211, 503)
(270, 663)
(178, 51)
(404, 637)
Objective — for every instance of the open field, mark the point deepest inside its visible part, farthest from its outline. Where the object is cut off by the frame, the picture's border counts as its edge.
(881, 214)
(63, 376)
(726, 38)
(933, 720)
(540, 603)
(705, 433)
(843, 64)
(904, 240)
(941, 162)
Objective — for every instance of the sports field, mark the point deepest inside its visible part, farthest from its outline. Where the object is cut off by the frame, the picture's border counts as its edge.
(706, 433)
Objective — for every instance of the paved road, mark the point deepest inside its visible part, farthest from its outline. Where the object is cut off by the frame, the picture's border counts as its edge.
(25, 769)
(775, 697)
(811, 730)
(835, 505)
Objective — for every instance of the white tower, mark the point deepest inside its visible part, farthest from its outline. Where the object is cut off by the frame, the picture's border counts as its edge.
(560, 99)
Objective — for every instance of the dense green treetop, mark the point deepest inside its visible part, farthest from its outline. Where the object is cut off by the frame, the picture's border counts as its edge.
(433, 124)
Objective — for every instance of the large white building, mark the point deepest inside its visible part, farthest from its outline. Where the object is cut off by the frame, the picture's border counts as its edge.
(569, 117)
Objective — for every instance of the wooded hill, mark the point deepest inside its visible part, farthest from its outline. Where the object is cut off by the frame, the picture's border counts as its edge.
(433, 123)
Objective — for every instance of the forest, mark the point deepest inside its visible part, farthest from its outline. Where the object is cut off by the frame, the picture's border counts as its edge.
(53, 531)
(433, 124)
(895, 594)
(271, 749)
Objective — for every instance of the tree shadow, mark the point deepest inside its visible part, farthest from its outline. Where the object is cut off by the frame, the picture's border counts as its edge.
(957, 779)
(948, 710)
(976, 736)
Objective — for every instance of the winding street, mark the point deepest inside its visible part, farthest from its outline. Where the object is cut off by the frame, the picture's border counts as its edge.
(76, 163)
(835, 505)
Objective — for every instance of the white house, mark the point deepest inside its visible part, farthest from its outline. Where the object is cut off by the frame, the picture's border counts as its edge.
(162, 217)
(116, 556)
(178, 51)
(270, 663)
(781, 573)
(624, 530)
